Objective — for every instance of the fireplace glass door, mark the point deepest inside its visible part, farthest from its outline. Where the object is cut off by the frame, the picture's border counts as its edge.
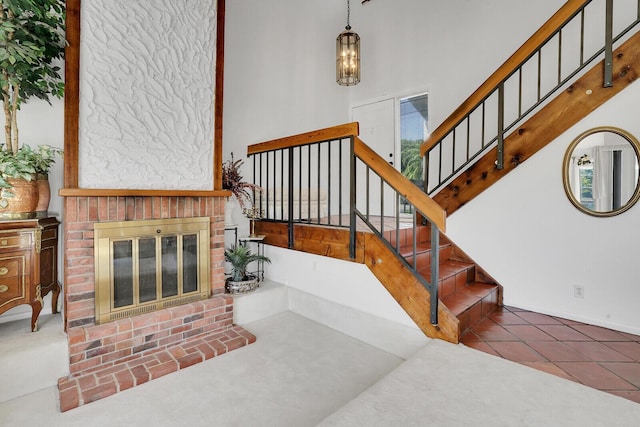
(142, 266)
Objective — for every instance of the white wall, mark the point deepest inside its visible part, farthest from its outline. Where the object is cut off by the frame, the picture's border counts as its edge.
(334, 280)
(279, 73)
(446, 47)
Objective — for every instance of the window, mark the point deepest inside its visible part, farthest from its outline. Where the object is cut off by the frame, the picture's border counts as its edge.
(413, 131)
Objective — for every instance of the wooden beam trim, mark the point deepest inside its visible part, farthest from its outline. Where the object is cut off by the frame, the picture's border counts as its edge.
(219, 96)
(336, 132)
(72, 93)
(527, 49)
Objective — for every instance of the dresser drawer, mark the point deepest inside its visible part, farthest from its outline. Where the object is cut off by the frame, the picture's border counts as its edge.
(13, 241)
(11, 288)
(11, 266)
(15, 263)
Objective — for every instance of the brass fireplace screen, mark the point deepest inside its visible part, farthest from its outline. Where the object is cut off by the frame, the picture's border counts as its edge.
(143, 266)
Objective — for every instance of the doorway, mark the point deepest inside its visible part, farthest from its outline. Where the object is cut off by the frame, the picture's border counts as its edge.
(394, 128)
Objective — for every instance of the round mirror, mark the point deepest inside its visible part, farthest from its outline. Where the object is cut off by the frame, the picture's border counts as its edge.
(601, 171)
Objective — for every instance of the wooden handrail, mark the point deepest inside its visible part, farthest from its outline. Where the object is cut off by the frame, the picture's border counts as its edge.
(336, 132)
(547, 30)
(432, 210)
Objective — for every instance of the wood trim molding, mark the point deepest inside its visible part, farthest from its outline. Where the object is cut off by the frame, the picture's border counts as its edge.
(219, 92)
(548, 28)
(102, 192)
(72, 108)
(336, 132)
(72, 94)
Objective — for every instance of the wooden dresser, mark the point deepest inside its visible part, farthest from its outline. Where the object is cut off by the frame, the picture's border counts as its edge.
(29, 264)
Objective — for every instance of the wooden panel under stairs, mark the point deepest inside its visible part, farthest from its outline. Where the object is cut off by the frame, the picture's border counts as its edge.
(467, 293)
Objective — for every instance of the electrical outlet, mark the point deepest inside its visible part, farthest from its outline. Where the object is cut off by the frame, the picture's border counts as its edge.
(578, 291)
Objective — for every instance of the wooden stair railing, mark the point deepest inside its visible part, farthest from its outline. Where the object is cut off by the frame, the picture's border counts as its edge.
(481, 122)
(560, 114)
(289, 169)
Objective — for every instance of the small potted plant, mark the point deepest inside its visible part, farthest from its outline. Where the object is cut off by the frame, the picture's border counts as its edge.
(233, 181)
(32, 40)
(241, 281)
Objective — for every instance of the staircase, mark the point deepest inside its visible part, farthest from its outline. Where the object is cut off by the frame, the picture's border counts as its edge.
(463, 287)
(335, 161)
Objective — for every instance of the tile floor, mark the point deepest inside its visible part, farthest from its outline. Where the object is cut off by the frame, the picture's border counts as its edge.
(596, 357)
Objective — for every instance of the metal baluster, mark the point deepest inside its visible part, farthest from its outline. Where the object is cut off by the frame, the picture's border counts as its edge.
(381, 206)
(560, 55)
(500, 161)
(290, 199)
(328, 184)
(352, 199)
(282, 184)
(582, 37)
(318, 190)
(435, 272)
(519, 91)
(608, 47)
(415, 239)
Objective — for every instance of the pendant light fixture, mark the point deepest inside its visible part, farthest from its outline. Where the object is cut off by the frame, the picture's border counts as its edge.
(348, 55)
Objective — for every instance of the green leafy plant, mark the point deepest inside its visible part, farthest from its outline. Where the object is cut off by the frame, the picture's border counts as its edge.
(32, 39)
(410, 160)
(240, 257)
(43, 156)
(19, 165)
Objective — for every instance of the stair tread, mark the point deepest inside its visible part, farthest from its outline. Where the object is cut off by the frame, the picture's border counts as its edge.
(463, 299)
(447, 268)
(407, 250)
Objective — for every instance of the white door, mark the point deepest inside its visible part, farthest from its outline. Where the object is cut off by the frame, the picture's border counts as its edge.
(377, 130)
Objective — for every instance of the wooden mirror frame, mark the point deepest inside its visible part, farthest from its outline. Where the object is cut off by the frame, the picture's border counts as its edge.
(567, 160)
(72, 110)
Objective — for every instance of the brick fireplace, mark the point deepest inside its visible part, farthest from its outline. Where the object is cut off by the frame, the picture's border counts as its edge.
(114, 356)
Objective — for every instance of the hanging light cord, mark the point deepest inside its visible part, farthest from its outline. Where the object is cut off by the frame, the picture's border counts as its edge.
(348, 27)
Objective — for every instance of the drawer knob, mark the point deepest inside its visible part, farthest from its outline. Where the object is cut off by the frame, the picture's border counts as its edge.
(4, 288)
(3, 271)
(3, 242)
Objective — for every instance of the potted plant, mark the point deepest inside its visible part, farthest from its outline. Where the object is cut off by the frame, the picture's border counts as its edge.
(44, 156)
(233, 181)
(240, 257)
(32, 40)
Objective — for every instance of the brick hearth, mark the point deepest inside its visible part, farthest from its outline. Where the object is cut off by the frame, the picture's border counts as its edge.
(129, 352)
(114, 356)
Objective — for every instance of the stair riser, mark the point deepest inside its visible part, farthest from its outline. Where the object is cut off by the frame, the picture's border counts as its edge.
(424, 259)
(423, 234)
(478, 311)
(455, 282)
